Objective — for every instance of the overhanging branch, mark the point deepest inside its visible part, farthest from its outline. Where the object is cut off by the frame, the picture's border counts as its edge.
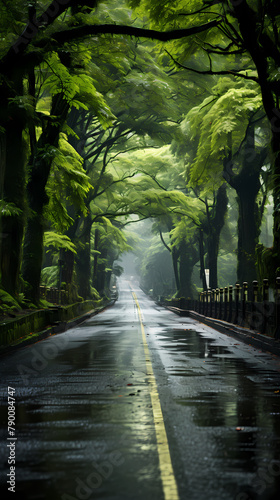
(17, 50)
(210, 72)
(114, 29)
(165, 244)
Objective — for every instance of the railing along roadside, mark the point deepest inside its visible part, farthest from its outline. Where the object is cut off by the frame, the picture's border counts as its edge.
(250, 305)
(54, 295)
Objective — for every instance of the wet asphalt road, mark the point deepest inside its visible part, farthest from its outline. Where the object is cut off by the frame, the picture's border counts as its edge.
(88, 423)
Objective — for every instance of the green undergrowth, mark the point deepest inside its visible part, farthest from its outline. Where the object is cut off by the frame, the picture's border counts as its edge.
(14, 307)
(8, 304)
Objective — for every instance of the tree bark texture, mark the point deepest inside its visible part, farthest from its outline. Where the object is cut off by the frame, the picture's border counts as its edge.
(83, 261)
(201, 259)
(247, 185)
(216, 224)
(37, 197)
(262, 50)
(188, 258)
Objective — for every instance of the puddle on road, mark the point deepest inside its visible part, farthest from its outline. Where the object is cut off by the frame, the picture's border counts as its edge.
(251, 392)
(194, 344)
(236, 404)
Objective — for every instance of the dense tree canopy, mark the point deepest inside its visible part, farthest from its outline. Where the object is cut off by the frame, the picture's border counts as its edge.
(113, 114)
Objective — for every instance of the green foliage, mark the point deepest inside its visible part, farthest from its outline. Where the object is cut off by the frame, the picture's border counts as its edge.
(12, 21)
(8, 303)
(77, 89)
(95, 295)
(111, 236)
(157, 189)
(221, 125)
(267, 264)
(132, 102)
(67, 183)
(49, 276)
(57, 241)
(9, 209)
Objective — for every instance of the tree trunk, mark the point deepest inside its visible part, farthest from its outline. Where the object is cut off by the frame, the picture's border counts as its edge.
(13, 192)
(100, 284)
(174, 255)
(108, 274)
(270, 257)
(248, 232)
(95, 258)
(253, 42)
(201, 259)
(216, 225)
(33, 242)
(67, 256)
(83, 261)
(12, 180)
(188, 258)
(68, 261)
(276, 193)
(247, 185)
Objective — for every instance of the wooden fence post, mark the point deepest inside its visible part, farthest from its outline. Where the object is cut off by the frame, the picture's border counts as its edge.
(221, 303)
(230, 291)
(201, 303)
(217, 292)
(277, 310)
(225, 303)
(254, 320)
(257, 313)
(204, 303)
(244, 302)
(209, 300)
(264, 305)
(237, 296)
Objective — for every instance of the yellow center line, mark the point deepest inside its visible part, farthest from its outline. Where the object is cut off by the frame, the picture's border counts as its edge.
(170, 489)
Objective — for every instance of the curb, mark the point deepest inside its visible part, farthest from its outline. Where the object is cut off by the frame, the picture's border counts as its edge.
(246, 335)
(59, 327)
(177, 310)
